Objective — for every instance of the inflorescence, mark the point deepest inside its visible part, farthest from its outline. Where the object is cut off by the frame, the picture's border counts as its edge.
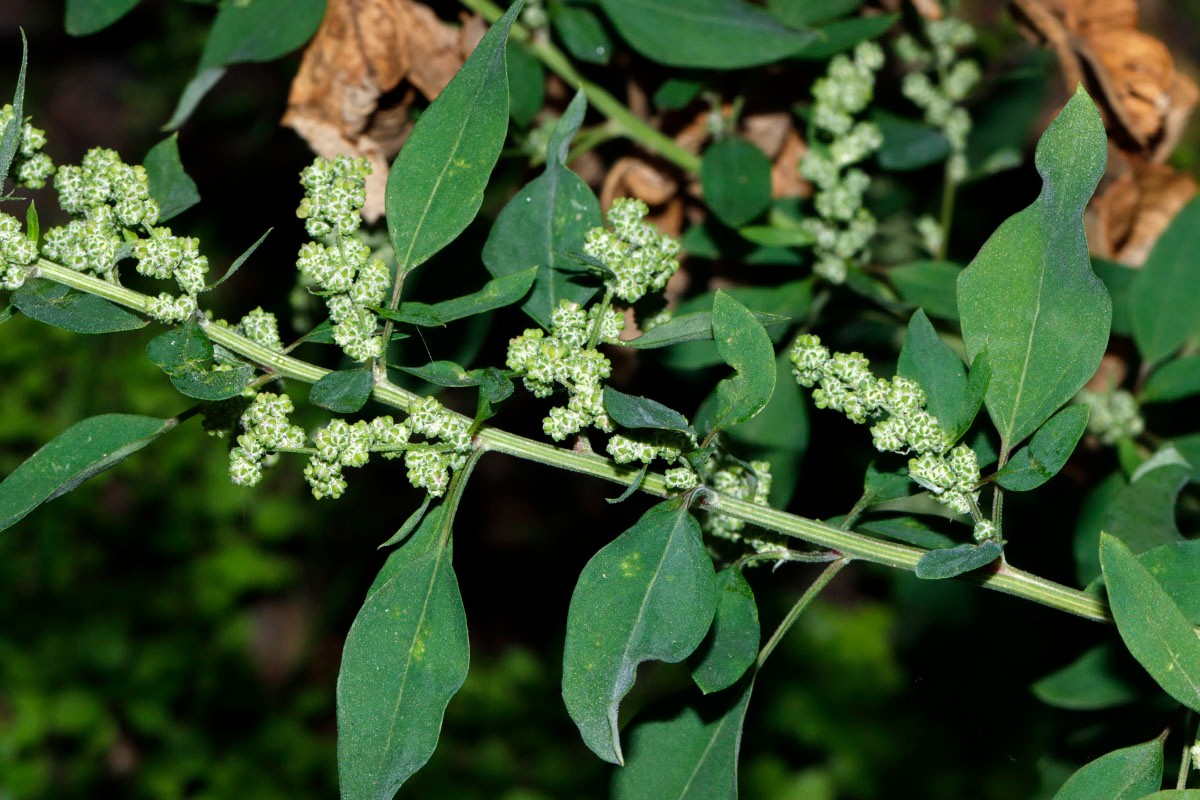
(1114, 416)
(340, 266)
(843, 226)
(845, 383)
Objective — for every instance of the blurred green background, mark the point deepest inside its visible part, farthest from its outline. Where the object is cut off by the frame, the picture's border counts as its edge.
(165, 634)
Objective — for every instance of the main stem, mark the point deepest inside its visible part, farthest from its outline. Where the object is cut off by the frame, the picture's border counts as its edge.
(621, 117)
(851, 545)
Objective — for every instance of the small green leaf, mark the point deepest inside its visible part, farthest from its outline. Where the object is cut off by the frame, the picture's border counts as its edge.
(880, 487)
(709, 34)
(929, 361)
(33, 228)
(343, 392)
(692, 755)
(693, 327)
(736, 178)
(909, 530)
(443, 373)
(87, 448)
(526, 84)
(676, 93)
(632, 488)
(410, 524)
(649, 594)
(745, 346)
(1047, 452)
(783, 423)
(496, 293)
(193, 93)
(213, 385)
(938, 565)
(1046, 338)
(1173, 380)
(929, 285)
(771, 236)
(85, 17)
(1119, 279)
(12, 132)
(908, 144)
(1155, 630)
(435, 185)
(842, 34)
(732, 642)
(78, 312)
(405, 656)
(6, 313)
(583, 34)
(494, 388)
(1125, 774)
(1166, 291)
(1090, 683)
(260, 30)
(237, 264)
(182, 348)
(546, 219)
(170, 186)
(630, 411)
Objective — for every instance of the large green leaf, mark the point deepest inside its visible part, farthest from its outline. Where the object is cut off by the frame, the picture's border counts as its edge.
(170, 186)
(929, 361)
(732, 643)
(1030, 295)
(78, 312)
(1173, 380)
(649, 594)
(405, 656)
(1166, 292)
(435, 186)
(1176, 567)
(1125, 774)
(744, 345)
(545, 222)
(710, 34)
(89, 16)
(1047, 452)
(87, 448)
(1155, 630)
(692, 755)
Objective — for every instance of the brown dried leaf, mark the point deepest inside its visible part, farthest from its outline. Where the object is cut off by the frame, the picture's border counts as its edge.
(633, 176)
(1130, 213)
(363, 51)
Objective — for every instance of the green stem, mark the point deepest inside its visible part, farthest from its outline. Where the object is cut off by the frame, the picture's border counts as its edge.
(810, 594)
(1185, 765)
(626, 123)
(857, 546)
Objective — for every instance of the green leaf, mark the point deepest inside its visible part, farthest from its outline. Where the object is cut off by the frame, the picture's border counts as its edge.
(744, 345)
(938, 565)
(1047, 452)
(880, 487)
(1030, 295)
(842, 34)
(929, 285)
(410, 524)
(1125, 774)
(170, 186)
(710, 34)
(929, 361)
(1155, 630)
(630, 411)
(405, 656)
(810, 12)
(496, 293)
(185, 354)
(242, 259)
(1166, 291)
(693, 327)
(435, 186)
(260, 30)
(443, 373)
(908, 144)
(494, 387)
(649, 594)
(1119, 279)
(544, 221)
(85, 17)
(783, 423)
(78, 312)
(736, 178)
(910, 531)
(771, 236)
(583, 34)
(676, 93)
(732, 643)
(192, 94)
(1174, 794)
(1090, 683)
(87, 448)
(526, 84)
(344, 392)
(213, 384)
(33, 228)
(6, 313)
(1176, 567)
(1173, 380)
(692, 755)
(12, 132)
(632, 488)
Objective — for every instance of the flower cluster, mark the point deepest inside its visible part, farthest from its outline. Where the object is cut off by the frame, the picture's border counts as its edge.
(846, 384)
(447, 446)
(956, 78)
(342, 268)
(164, 256)
(267, 430)
(31, 167)
(843, 227)
(17, 253)
(750, 482)
(1114, 415)
(667, 446)
(638, 256)
(262, 328)
(563, 358)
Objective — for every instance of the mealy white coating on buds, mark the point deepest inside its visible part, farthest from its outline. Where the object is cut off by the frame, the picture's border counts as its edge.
(985, 530)
(639, 257)
(164, 256)
(30, 166)
(262, 328)
(17, 253)
(1114, 416)
(343, 267)
(749, 482)
(842, 227)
